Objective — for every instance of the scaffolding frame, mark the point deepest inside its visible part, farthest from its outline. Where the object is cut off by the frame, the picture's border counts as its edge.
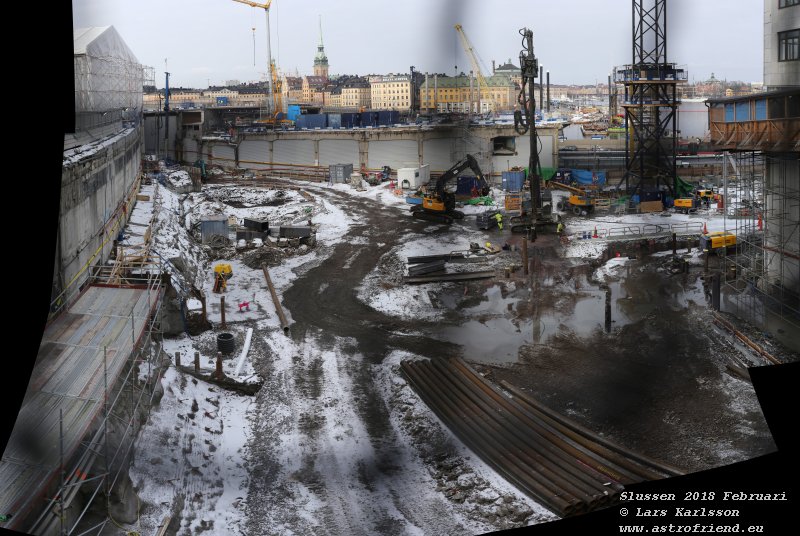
(767, 230)
(650, 102)
(131, 387)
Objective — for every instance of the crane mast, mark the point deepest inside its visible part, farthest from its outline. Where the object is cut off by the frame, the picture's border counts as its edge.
(265, 7)
(483, 87)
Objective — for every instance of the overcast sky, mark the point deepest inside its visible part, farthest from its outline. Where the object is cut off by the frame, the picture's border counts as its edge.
(579, 41)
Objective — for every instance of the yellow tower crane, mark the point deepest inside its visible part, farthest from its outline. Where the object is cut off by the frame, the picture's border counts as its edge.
(483, 87)
(270, 75)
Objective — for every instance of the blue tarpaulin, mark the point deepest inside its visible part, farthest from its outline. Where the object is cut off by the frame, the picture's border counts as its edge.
(585, 176)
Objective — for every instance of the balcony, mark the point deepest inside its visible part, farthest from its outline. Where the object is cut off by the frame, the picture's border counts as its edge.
(767, 122)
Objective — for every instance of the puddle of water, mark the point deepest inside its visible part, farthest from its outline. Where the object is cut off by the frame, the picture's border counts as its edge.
(493, 303)
(637, 295)
(496, 340)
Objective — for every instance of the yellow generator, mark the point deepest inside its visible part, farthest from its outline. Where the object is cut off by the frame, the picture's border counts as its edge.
(717, 242)
(222, 272)
(686, 204)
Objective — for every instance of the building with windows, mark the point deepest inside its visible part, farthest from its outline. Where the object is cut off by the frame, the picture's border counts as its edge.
(391, 92)
(455, 93)
(510, 70)
(356, 94)
(761, 136)
(781, 43)
(312, 87)
(292, 87)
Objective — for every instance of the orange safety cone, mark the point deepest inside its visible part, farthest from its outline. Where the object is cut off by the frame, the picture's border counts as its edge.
(760, 222)
(595, 232)
(705, 228)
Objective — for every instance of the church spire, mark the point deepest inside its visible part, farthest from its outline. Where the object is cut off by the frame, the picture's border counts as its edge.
(320, 59)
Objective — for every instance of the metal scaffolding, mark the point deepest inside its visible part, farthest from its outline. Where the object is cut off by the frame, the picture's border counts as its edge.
(650, 101)
(124, 397)
(762, 278)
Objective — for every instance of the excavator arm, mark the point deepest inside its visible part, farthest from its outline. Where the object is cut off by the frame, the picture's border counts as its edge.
(468, 162)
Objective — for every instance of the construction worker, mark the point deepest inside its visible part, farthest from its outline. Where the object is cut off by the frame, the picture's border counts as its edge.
(499, 219)
(560, 228)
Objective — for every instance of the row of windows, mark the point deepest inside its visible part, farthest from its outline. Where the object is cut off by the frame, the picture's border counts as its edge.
(787, 3)
(789, 45)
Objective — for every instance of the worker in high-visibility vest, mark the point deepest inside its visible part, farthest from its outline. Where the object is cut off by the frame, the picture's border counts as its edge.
(560, 228)
(499, 219)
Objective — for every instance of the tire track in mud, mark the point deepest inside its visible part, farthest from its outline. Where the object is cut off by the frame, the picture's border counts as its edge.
(334, 464)
(336, 307)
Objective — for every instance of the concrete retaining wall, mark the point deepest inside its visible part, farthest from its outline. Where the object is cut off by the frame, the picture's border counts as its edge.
(92, 190)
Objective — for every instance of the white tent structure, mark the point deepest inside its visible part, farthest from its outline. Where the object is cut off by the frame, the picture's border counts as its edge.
(108, 77)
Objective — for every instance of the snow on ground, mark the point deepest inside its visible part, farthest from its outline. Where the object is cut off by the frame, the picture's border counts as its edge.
(610, 268)
(189, 457)
(580, 229)
(480, 491)
(389, 295)
(172, 241)
(193, 467)
(329, 470)
(179, 179)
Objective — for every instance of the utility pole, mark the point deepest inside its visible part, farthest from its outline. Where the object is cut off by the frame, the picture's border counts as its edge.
(166, 116)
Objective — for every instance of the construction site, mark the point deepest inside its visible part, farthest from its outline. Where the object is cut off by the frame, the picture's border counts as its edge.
(417, 329)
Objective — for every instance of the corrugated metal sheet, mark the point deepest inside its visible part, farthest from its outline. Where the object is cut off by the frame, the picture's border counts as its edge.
(213, 225)
(438, 153)
(223, 154)
(251, 151)
(340, 172)
(338, 152)
(293, 151)
(512, 180)
(394, 153)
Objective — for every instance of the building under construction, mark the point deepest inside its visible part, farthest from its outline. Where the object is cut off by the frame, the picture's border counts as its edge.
(760, 135)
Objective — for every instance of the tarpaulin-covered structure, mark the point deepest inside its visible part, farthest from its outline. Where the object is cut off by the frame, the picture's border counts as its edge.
(108, 77)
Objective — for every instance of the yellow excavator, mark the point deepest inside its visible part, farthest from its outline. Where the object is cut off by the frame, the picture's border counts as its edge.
(439, 202)
(579, 201)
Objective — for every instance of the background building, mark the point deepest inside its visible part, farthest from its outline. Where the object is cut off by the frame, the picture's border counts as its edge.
(455, 93)
(781, 43)
(392, 92)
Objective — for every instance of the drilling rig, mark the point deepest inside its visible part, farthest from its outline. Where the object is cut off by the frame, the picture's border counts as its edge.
(538, 218)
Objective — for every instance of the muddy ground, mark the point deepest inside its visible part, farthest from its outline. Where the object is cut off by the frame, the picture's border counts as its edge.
(338, 443)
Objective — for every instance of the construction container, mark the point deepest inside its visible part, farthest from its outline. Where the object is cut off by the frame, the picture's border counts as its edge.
(369, 119)
(293, 112)
(466, 184)
(388, 117)
(222, 101)
(340, 172)
(300, 231)
(334, 120)
(413, 178)
(312, 121)
(350, 120)
(256, 225)
(512, 181)
(211, 226)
